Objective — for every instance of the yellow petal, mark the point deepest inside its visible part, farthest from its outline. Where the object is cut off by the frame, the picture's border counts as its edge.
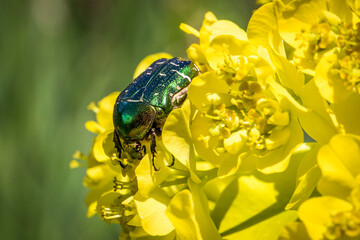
(296, 16)
(105, 113)
(329, 85)
(229, 166)
(94, 127)
(316, 121)
(284, 68)
(189, 30)
(279, 118)
(152, 214)
(225, 27)
(348, 113)
(186, 213)
(341, 10)
(339, 164)
(262, 29)
(146, 177)
(176, 135)
(104, 146)
(143, 177)
(181, 213)
(285, 98)
(277, 138)
(235, 142)
(308, 175)
(277, 160)
(206, 85)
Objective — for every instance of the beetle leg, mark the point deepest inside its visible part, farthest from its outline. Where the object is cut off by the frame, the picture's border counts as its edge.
(153, 147)
(121, 164)
(118, 147)
(172, 162)
(117, 142)
(144, 149)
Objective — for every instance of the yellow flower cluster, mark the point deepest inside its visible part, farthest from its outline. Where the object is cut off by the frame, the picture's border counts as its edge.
(232, 160)
(242, 123)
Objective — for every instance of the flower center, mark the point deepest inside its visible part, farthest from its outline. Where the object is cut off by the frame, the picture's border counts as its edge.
(348, 53)
(343, 224)
(318, 38)
(331, 33)
(252, 117)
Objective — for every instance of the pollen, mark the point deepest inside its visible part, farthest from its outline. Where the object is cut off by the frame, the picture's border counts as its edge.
(260, 119)
(348, 65)
(344, 225)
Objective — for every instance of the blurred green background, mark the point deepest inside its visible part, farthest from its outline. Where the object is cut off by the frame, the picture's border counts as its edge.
(56, 57)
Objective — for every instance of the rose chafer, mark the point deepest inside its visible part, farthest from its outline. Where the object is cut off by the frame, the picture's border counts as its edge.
(142, 107)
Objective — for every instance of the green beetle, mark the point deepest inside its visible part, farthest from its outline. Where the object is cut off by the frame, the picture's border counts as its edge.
(142, 107)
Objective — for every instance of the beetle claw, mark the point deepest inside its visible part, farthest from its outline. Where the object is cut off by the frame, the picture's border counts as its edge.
(172, 162)
(153, 162)
(122, 164)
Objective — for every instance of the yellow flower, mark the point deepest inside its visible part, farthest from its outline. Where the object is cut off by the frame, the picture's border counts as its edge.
(218, 39)
(325, 37)
(231, 162)
(241, 123)
(295, 90)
